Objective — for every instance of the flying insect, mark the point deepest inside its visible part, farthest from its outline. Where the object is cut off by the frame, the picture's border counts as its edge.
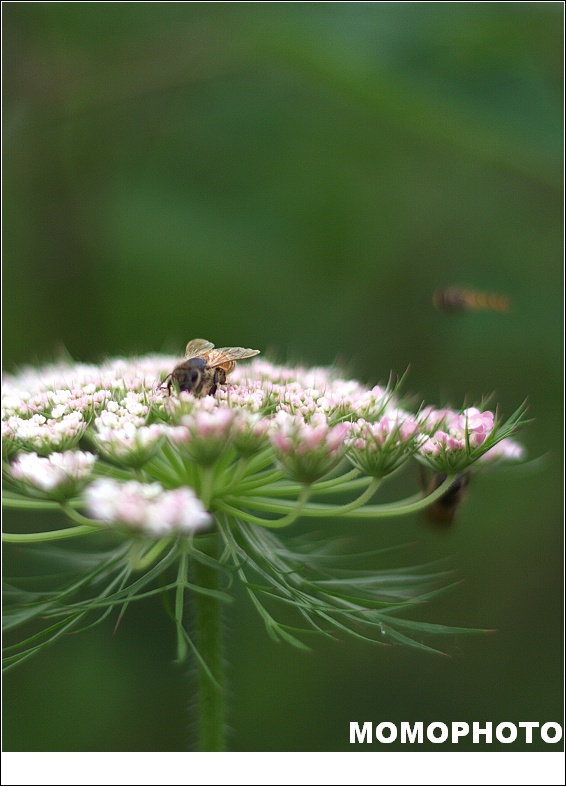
(444, 509)
(458, 300)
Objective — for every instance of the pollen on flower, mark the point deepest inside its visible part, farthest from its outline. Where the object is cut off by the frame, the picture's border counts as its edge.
(147, 507)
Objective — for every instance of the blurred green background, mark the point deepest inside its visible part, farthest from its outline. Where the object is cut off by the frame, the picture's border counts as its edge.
(300, 177)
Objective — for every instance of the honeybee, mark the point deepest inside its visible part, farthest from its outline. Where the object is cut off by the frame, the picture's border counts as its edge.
(204, 367)
(455, 300)
(445, 508)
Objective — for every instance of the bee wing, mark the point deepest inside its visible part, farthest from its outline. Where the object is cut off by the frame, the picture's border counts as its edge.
(198, 347)
(227, 355)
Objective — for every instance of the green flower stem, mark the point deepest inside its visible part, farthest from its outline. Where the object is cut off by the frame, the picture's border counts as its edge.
(354, 509)
(86, 527)
(301, 508)
(240, 469)
(140, 561)
(260, 461)
(253, 471)
(172, 459)
(256, 481)
(79, 518)
(108, 470)
(265, 484)
(333, 486)
(180, 606)
(56, 534)
(206, 485)
(208, 623)
(296, 510)
(345, 477)
(27, 503)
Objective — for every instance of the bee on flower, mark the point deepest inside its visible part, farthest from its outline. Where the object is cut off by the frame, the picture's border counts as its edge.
(192, 487)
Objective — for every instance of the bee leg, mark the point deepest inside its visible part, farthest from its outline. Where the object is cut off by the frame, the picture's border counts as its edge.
(214, 387)
(168, 385)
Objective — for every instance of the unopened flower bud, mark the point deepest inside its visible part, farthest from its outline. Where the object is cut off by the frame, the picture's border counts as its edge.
(307, 451)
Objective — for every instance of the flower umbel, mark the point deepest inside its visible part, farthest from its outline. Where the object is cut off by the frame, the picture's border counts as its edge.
(382, 447)
(453, 441)
(58, 476)
(307, 450)
(166, 476)
(146, 507)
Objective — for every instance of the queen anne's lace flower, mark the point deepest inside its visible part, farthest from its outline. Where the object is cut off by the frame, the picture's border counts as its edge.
(43, 434)
(126, 442)
(304, 423)
(58, 475)
(307, 450)
(146, 507)
(381, 447)
(195, 488)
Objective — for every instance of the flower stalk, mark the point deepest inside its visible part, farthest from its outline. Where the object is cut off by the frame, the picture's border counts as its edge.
(211, 689)
(192, 493)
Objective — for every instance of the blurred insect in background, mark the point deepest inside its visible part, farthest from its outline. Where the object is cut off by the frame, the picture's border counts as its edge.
(457, 300)
(444, 510)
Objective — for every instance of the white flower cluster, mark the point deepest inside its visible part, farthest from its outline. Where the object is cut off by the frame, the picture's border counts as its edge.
(44, 434)
(204, 435)
(146, 507)
(457, 431)
(60, 474)
(301, 421)
(308, 450)
(129, 443)
(381, 447)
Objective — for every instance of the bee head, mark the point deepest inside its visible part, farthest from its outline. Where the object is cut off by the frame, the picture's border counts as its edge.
(187, 376)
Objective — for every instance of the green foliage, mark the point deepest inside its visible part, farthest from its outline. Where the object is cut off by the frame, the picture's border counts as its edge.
(333, 602)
